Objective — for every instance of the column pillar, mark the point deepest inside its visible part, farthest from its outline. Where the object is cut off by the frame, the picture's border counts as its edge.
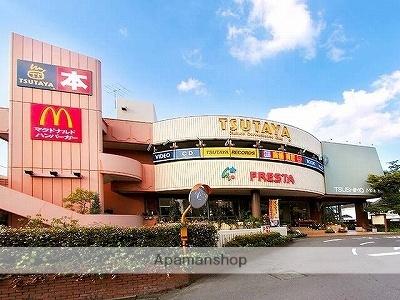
(255, 204)
(361, 215)
(315, 211)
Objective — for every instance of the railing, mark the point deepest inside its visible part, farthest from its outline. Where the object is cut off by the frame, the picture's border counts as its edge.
(225, 236)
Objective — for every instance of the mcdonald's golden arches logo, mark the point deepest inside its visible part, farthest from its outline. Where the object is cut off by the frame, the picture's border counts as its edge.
(56, 116)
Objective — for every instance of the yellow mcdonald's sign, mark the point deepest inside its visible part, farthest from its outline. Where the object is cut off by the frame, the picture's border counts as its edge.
(56, 116)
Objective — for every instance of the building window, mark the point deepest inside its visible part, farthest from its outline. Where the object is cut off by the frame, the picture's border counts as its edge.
(165, 206)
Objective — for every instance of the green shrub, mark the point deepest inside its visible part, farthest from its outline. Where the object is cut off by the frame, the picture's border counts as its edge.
(329, 230)
(296, 234)
(200, 235)
(95, 207)
(272, 239)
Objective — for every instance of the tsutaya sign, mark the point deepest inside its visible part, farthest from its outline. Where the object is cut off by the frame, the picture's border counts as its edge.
(50, 77)
(56, 123)
(256, 128)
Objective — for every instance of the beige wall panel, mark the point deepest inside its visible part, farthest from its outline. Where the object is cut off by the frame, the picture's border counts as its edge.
(16, 184)
(85, 146)
(27, 183)
(17, 135)
(17, 53)
(26, 136)
(28, 49)
(208, 127)
(66, 187)
(56, 60)
(37, 95)
(93, 139)
(83, 64)
(75, 156)
(94, 183)
(37, 185)
(65, 147)
(56, 156)
(185, 174)
(85, 184)
(76, 183)
(57, 191)
(93, 101)
(37, 56)
(48, 189)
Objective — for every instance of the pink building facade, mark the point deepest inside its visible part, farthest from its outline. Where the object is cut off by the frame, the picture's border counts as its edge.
(58, 141)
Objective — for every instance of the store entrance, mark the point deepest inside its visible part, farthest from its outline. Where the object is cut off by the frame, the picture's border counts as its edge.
(229, 207)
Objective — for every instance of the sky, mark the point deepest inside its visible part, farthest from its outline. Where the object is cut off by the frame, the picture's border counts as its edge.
(329, 67)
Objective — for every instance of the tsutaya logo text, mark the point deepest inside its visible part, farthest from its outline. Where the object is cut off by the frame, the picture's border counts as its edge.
(255, 128)
(272, 177)
(51, 77)
(56, 123)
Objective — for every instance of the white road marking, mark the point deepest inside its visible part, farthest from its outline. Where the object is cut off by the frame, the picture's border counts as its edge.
(354, 251)
(333, 240)
(396, 248)
(367, 243)
(384, 254)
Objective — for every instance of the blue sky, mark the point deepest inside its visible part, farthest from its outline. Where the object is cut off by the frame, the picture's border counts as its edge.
(330, 67)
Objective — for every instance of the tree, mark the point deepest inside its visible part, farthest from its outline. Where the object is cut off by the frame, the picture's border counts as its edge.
(387, 187)
(79, 200)
(95, 205)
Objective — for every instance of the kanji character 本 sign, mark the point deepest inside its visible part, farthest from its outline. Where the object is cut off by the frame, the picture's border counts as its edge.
(74, 80)
(56, 123)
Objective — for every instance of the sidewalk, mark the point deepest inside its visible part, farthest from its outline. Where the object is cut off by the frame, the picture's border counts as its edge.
(321, 233)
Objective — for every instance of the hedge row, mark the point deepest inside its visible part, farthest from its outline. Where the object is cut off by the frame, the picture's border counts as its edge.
(200, 235)
(273, 239)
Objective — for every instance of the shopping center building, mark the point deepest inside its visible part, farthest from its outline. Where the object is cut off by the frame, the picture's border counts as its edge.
(58, 140)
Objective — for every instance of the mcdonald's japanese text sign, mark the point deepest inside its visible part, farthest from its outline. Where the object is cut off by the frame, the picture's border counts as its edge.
(56, 123)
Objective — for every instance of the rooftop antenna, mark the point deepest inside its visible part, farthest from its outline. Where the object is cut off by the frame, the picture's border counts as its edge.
(117, 90)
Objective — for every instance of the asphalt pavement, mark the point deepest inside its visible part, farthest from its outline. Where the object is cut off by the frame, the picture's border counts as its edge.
(382, 252)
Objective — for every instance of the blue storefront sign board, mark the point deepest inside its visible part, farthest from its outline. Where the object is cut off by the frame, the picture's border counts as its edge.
(188, 153)
(36, 75)
(164, 155)
(313, 164)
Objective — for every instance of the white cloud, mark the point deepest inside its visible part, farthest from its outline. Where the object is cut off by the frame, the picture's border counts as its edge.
(192, 85)
(123, 31)
(227, 13)
(272, 27)
(193, 58)
(238, 92)
(336, 44)
(362, 116)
